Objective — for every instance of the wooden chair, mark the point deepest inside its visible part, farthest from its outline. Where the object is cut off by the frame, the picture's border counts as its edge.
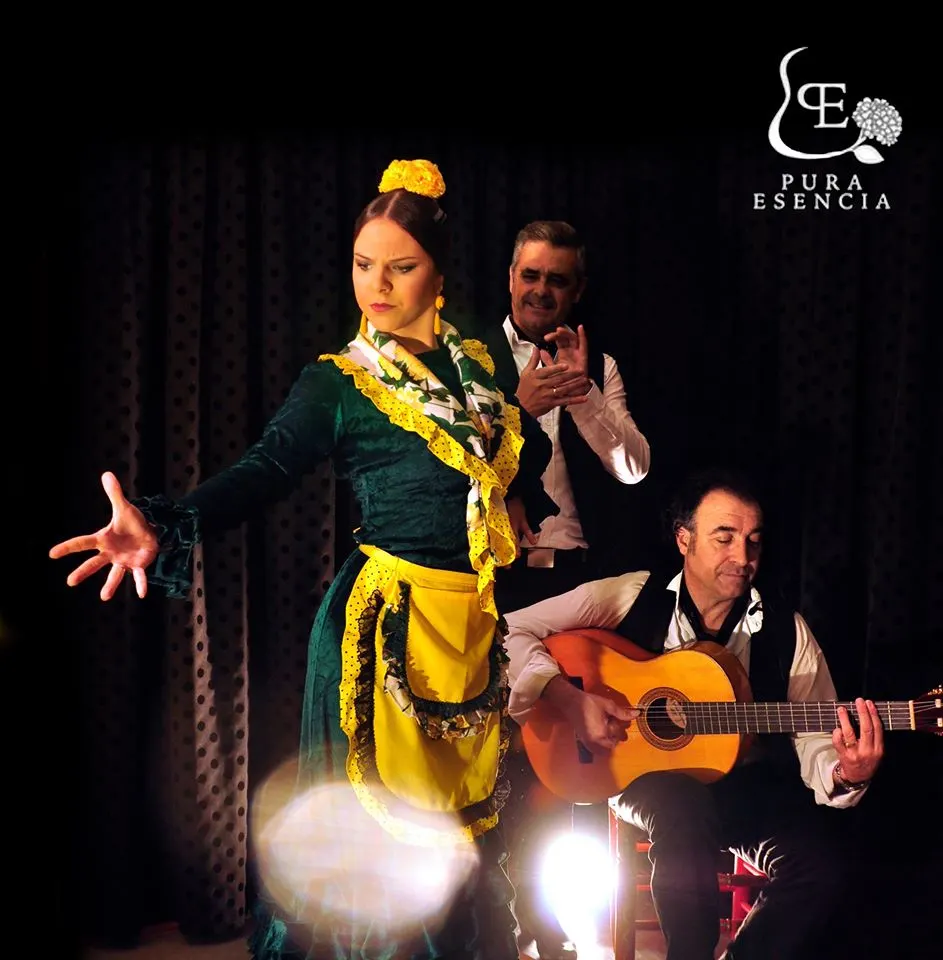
(625, 846)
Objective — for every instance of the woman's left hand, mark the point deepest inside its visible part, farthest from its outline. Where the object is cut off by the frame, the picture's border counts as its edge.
(518, 517)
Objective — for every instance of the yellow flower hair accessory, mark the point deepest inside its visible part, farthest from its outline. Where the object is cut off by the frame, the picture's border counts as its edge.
(416, 176)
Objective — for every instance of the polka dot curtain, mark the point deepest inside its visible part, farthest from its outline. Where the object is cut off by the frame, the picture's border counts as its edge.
(212, 277)
(805, 346)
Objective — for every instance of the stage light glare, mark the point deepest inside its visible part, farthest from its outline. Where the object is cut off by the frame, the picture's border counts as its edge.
(577, 877)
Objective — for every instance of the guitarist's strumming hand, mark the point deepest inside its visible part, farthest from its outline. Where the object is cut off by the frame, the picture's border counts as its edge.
(600, 723)
(858, 754)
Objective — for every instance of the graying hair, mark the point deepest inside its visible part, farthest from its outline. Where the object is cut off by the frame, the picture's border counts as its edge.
(558, 233)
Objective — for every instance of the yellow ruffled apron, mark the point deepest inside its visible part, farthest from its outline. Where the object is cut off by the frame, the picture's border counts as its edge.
(423, 700)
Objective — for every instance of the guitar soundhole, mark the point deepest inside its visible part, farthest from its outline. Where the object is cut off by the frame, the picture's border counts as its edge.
(663, 719)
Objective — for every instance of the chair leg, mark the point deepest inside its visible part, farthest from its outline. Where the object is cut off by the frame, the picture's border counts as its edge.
(623, 899)
(747, 881)
(739, 898)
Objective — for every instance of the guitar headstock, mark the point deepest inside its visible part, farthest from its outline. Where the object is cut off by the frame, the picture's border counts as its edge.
(928, 712)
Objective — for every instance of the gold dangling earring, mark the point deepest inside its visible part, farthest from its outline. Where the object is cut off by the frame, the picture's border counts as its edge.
(363, 324)
(439, 304)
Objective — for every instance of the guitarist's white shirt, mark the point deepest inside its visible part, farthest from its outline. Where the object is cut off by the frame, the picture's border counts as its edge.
(605, 603)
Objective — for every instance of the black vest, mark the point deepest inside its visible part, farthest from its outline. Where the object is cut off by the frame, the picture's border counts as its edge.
(772, 649)
(600, 499)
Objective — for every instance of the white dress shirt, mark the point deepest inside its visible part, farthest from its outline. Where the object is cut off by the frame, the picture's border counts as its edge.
(605, 423)
(605, 603)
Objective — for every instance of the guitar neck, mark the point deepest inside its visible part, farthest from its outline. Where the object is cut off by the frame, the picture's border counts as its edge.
(815, 717)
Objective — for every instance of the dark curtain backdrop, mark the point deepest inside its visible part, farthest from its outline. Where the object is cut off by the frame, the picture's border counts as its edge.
(190, 276)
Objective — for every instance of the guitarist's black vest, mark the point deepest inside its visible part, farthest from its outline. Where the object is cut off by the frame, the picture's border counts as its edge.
(772, 649)
(595, 491)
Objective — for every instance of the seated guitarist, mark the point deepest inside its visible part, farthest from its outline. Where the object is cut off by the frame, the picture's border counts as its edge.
(769, 808)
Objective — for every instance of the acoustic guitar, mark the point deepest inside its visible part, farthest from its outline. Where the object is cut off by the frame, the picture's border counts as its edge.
(697, 715)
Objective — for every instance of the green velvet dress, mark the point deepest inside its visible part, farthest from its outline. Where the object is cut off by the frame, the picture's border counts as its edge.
(412, 506)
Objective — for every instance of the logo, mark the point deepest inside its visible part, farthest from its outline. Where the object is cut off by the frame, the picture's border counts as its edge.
(876, 119)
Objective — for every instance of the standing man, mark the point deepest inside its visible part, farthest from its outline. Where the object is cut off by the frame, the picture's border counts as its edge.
(578, 396)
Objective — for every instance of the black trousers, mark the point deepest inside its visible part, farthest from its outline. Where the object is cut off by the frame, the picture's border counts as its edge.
(768, 817)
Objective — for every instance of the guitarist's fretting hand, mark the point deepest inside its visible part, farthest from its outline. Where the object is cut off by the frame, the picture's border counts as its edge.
(859, 755)
(600, 723)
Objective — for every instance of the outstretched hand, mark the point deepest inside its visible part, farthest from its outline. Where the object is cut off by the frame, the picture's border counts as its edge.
(127, 543)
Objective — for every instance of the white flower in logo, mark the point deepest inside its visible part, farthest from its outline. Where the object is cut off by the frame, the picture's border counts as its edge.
(878, 120)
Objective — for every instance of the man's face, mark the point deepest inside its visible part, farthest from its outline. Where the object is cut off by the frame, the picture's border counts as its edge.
(544, 287)
(722, 552)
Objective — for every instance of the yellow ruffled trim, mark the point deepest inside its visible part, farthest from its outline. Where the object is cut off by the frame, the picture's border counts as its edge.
(491, 543)
(411, 833)
(478, 351)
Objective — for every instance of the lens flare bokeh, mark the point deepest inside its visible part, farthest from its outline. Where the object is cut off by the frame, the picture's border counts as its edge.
(324, 860)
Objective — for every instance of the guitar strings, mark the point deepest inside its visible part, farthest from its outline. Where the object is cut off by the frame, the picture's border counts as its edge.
(798, 712)
(706, 705)
(831, 707)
